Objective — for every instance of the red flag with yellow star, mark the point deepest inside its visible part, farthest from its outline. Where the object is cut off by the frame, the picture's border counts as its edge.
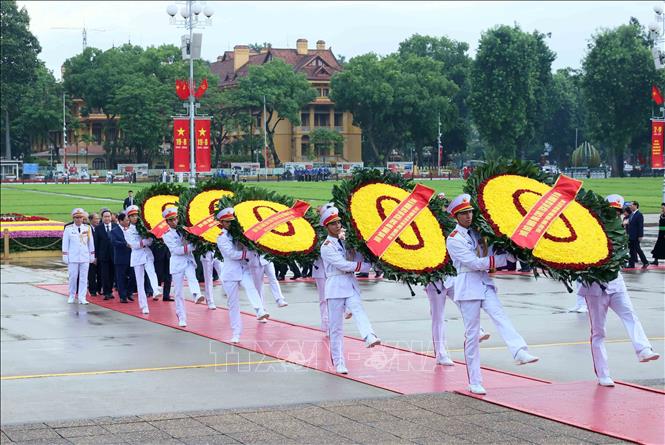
(180, 145)
(201, 89)
(202, 141)
(656, 95)
(182, 89)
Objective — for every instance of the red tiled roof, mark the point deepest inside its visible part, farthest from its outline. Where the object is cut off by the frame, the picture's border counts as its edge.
(303, 63)
(93, 150)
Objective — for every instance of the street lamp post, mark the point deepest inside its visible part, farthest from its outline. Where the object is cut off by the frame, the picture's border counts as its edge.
(190, 13)
(657, 35)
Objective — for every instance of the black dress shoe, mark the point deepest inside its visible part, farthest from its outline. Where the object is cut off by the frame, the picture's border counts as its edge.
(107, 297)
(130, 298)
(167, 299)
(123, 300)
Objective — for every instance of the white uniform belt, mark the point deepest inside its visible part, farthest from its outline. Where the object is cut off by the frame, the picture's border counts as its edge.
(334, 274)
(463, 269)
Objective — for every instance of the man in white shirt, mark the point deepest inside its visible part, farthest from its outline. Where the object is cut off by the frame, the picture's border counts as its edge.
(78, 251)
(142, 260)
(342, 291)
(475, 289)
(236, 273)
(182, 264)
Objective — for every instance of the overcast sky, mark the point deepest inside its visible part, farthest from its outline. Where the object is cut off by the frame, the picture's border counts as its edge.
(350, 28)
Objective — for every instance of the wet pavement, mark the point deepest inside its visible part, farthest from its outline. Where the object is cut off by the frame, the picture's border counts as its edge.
(77, 374)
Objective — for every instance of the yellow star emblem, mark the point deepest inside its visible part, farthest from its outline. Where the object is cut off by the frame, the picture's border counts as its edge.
(202, 131)
(181, 131)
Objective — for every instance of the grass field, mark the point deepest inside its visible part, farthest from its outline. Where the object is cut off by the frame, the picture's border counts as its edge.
(55, 201)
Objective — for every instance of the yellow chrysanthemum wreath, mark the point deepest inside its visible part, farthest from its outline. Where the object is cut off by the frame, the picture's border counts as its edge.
(152, 201)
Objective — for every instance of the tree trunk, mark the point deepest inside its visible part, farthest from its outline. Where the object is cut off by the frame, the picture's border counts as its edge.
(617, 162)
(8, 146)
(271, 143)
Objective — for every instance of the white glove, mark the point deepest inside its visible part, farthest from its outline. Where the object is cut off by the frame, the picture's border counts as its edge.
(147, 242)
(92, 258)
(510, 257)
(65, 259)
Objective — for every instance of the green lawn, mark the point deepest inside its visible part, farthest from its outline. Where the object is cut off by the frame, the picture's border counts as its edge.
(55, 201)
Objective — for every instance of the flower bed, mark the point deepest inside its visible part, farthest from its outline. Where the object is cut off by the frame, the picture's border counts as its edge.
(31, 232)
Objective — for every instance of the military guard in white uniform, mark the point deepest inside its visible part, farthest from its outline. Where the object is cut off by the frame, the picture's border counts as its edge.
(210, 263)
(182, 264)
(260, 267)
(613, 295)
(236, 273)
(142, 259)
(474, 289)
(78, 251)
(342, 289)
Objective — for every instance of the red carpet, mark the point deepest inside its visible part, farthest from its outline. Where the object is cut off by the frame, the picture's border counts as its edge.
(626, 411)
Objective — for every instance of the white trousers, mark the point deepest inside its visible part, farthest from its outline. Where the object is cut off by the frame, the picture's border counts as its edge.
(232, 289)
(620, 303)
(269, 271)
(437, 306)
(78, 274)
(139, 272)
(336, 308)
(471, 314)
(179, 283)
(323, 303)
(208, 267)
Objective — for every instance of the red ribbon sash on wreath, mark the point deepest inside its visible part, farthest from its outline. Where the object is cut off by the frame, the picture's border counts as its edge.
(399, 219)
(548, 208)
(259, 229)
(203, 226)
(160, 229)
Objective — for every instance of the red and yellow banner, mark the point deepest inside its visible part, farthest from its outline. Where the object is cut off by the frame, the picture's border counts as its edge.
(203, 226)
(399, 219)
(548, 208)
(259, 229)
(180, 145)
(657, 143)
(202, 141)
(160, 229)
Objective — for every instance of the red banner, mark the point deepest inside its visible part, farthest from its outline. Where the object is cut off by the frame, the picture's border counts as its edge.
(160, 229)
(202, 130)
(259, 229)
(399, 219)
(180, 145)
(657, 144)
(548, 208)
(203, 226)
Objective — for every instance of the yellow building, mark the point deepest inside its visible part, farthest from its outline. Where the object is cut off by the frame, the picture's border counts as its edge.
(318, 65)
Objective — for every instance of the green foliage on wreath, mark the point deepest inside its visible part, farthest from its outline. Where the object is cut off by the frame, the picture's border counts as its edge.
(342, 197)
(202, 246)
(169, 188)
(587, 198)
(261, 194)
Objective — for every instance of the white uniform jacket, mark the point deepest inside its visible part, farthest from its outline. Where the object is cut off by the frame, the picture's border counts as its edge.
(340, 273)
(78, 245)
(181, 251)
(141, 254)
(472, 278)
(318, 270)
(615, 286)
(235, 258)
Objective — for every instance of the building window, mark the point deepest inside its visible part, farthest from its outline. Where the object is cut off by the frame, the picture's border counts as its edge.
(322, 117)
(323, 92)
(98, 164)
(304, 147)
(304, 119)
(339, 119)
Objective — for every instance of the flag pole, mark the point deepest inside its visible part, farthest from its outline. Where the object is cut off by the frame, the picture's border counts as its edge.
(265, 138)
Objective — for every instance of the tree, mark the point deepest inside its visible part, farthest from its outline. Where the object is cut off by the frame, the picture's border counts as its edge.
(618, 73)
(323, 140)
(456, 66)
(18, 54)
(509, 78)
(285, 91)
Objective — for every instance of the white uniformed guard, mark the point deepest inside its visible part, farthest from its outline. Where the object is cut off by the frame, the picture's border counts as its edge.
(474, 288)
(78, 251)
(210, 263)
(260, 267)
(181, 265)
(236, 273)
(613, 295)
(142, 259)
(342, 289)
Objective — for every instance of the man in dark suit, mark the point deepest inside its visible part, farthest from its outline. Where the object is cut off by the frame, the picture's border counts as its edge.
(121, 256)
(635, 234)
(162, 263)
(104, 253)
(129, 200)
(93, 273)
